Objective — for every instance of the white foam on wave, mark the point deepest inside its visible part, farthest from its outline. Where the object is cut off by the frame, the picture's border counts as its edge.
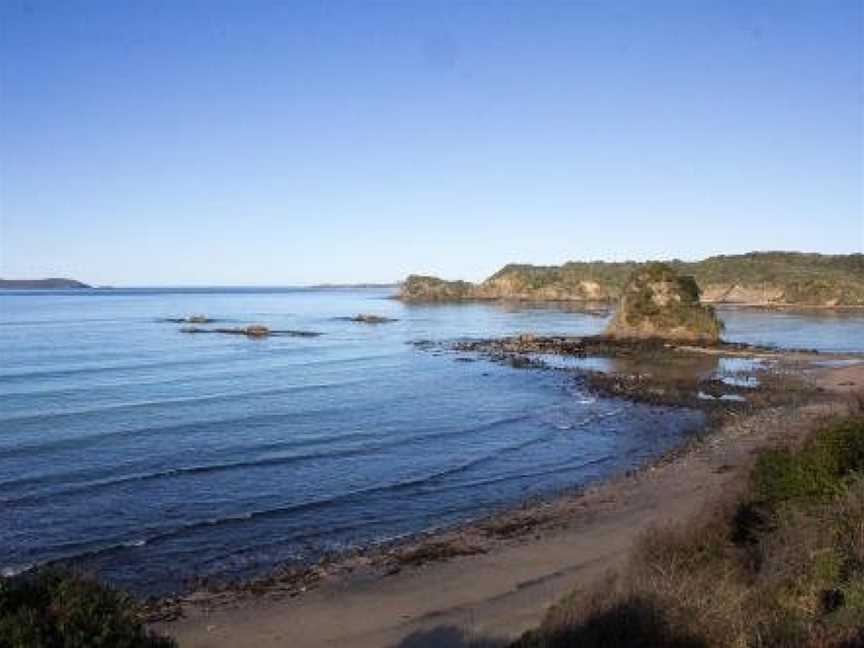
(135, 543)
(724, 397)
(13, 570)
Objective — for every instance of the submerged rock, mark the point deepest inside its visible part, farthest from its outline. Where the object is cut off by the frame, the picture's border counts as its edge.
(296, 333)
(256, 330)
(190, 319)
(366, 318)
(657, 302)
(253, 330)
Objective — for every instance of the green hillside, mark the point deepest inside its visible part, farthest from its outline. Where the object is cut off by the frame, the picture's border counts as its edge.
(761, 278)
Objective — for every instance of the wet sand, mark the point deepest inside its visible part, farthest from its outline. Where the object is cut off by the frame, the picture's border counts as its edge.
(488, 582)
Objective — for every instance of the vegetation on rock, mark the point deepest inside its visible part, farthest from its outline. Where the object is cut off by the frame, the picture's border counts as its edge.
(55, 609)
(658, 302)
(422, 288)
(763, 278)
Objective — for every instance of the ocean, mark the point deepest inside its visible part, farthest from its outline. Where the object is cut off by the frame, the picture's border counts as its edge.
(151, 457)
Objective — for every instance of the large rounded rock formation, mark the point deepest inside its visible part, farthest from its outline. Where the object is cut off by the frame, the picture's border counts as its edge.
(657, 302)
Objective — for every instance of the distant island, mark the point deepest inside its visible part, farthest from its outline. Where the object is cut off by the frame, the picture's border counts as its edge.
(756, 279)
(41, 284)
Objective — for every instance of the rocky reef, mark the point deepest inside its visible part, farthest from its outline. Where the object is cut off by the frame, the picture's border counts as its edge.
(368, 318)
(190, 319)
(757, 279)
(657, 302)
(251, 331)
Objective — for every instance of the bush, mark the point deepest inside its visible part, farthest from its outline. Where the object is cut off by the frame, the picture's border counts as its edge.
(57, 609)
(784, 568)
(820, 469)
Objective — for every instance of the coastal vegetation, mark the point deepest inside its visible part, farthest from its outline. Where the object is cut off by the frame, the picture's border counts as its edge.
(424, 288)
(659, 302)
(59, 609)
(759, 278)
(781, 566)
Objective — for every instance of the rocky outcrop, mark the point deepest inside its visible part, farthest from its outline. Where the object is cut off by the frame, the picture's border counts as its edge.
(738, 294)
(425, 288)
(253, 330)
(368, 318)
(657, 302)
(758, 278)
(511, 286)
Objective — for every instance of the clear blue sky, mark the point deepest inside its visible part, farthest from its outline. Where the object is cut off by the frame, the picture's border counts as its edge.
(252, 142)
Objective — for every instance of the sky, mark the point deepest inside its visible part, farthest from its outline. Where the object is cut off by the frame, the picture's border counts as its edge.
(248, 142)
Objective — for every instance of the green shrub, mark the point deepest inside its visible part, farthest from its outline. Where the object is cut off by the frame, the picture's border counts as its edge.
(56, 609)
(820, 469)
(802, 278)
(781, 476)
(785, 569)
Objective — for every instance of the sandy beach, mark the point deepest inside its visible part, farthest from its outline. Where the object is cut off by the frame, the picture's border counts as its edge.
(495, 579)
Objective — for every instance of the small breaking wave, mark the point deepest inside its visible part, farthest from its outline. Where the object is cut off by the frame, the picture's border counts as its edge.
(32, 498)
(13, 570)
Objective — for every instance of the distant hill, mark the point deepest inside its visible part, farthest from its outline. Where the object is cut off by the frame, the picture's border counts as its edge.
(355, 285)
(757, 278)
(40, 284)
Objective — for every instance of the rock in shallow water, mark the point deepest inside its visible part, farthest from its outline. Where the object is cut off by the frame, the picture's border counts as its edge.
(253, 330)
(366, 318)
(658, 302)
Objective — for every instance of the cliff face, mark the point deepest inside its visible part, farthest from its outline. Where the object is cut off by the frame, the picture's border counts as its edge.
(658, 302)
(758, 278)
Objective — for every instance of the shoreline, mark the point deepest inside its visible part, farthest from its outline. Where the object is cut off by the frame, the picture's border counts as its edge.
(611, 304)
(213, 618)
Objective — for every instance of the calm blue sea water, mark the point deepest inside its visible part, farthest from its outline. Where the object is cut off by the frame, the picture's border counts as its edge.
(151, 456)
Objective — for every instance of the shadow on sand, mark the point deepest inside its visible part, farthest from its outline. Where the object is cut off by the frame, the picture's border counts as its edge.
(635, 623)
(449, 637)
